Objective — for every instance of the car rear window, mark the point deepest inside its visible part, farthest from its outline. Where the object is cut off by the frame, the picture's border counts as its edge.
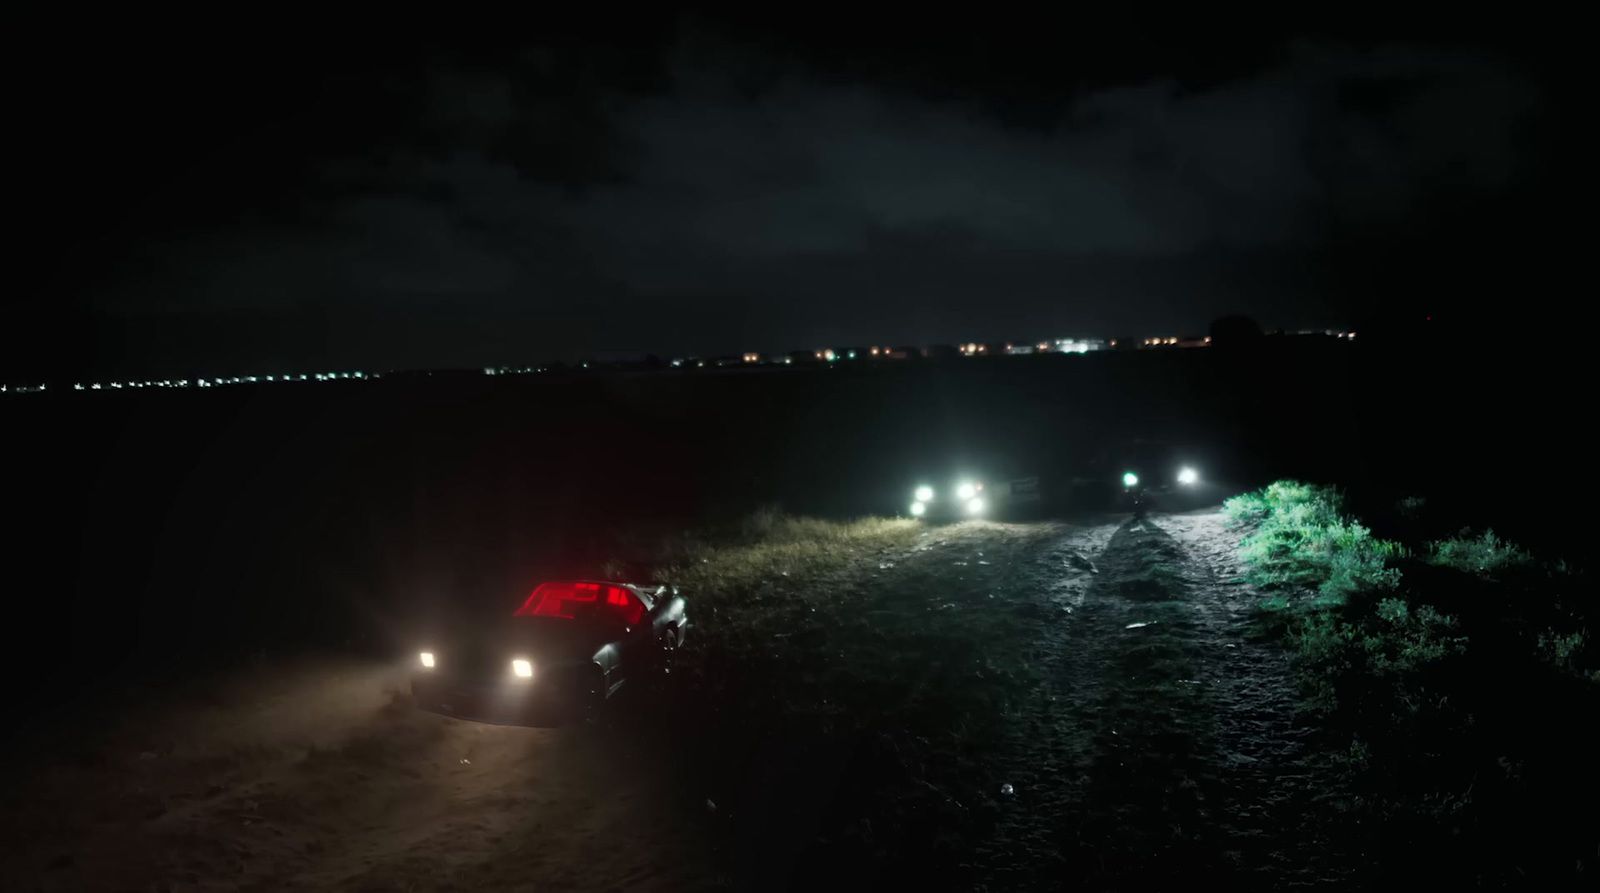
(583, 601)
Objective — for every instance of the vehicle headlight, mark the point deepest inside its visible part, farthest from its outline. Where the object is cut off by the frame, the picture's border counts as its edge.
(1188, 476)
(918, 509)
(1130, 480)
(522, 668)
(974, 506)
(427, 659)
(924, 494)
(966, 490)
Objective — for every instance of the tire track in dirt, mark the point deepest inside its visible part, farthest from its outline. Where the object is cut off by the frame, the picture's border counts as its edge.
(1274, 791)
(1162, 751)
(879, 753)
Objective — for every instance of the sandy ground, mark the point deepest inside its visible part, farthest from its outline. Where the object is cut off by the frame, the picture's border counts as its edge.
(322, 776)
(999, 706)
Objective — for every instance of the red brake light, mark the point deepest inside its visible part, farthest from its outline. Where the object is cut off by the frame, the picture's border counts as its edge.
(568, 599)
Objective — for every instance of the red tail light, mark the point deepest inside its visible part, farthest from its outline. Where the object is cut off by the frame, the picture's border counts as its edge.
(568, 599)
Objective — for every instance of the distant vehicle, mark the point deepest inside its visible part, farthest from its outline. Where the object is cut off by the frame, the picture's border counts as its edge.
(570, 648)
(974, 496)
(1135, 475)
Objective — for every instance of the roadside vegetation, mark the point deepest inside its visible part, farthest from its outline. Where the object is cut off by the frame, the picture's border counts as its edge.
(1455, 678)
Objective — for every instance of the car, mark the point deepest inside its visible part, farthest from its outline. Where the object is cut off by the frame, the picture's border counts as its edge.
(570, 649)
(973, 496)
(1136, 474)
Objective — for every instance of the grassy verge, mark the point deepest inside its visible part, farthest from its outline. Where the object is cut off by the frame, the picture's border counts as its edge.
(724, 564)
(1454, 677)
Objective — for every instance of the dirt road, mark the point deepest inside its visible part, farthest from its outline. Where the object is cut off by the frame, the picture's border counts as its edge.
(998, 706)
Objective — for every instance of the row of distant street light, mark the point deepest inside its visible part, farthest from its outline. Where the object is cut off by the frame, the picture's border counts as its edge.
(823, 355)
(194, 383)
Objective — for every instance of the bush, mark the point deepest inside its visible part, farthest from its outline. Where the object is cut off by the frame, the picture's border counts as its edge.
(1370, 660)
(759, 524)
(1364, 649)
(1301, 540)
(1487, 554)
(1425, 726)
(1411, 507)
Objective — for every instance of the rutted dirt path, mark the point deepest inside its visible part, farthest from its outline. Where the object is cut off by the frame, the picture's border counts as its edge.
(1163, 749)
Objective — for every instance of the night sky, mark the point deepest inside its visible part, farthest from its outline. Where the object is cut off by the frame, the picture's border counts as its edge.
(215, 197)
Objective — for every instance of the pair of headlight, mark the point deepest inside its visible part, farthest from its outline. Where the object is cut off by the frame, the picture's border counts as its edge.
(521, 668)
(966, 490)
(1186, 475)
(966, 494)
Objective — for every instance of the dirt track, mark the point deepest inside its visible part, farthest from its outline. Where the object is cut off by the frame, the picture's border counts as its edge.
(1098, 670)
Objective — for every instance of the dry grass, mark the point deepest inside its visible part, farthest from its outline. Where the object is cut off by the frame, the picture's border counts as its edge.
(769, 546)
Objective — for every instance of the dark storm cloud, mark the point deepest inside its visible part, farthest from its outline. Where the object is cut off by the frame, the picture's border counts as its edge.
(712, 217)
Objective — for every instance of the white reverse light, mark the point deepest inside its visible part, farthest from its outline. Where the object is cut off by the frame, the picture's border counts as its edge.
(427, 659)
(924, 494)
(974, 506)
(966, 490)
(918, 509)
(1188, 476)
(522, 668)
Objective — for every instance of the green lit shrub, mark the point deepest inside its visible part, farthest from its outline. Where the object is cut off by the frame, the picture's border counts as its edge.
(1486, 554)
(1300, 540)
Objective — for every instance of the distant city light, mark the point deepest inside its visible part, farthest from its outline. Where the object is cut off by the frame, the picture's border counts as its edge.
(828, 355)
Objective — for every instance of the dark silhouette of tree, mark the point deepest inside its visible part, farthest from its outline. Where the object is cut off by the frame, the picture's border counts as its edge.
(1235, 331)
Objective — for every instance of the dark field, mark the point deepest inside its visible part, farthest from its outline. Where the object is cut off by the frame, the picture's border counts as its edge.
(854, 718)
